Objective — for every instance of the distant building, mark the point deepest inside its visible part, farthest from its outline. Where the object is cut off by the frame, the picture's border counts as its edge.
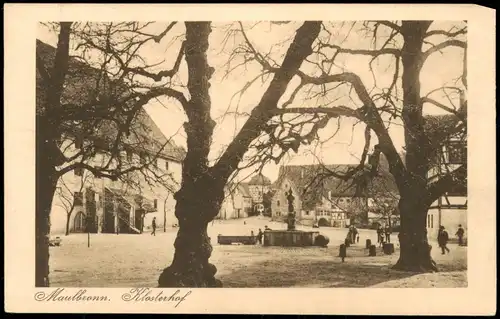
(449, 210)
(236, 204)
(102, 205)
(245, 198)
(279, 201)
(258, 186)
(328, 201)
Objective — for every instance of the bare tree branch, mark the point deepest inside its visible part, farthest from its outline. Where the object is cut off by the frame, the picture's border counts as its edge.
(450, 33)
(441, 46)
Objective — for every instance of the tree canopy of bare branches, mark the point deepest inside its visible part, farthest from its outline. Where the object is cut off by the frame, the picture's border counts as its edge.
(309, 66)
(404, 47)
(90, 115)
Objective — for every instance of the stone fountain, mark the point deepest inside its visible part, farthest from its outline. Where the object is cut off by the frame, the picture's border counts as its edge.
(291, 237)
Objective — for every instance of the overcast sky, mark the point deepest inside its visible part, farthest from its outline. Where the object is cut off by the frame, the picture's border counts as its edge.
(346, 146)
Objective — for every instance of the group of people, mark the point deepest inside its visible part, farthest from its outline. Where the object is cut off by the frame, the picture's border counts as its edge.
(384, 234)
(260, 234)
(443, 238)
(353, 234)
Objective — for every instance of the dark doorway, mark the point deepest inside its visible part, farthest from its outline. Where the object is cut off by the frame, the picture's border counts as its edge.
(124, 218)
(323, 222)
(139, 219)
(79, 223)
(109, 216)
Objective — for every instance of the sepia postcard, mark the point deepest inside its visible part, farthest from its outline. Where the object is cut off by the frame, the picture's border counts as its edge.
(266, 159)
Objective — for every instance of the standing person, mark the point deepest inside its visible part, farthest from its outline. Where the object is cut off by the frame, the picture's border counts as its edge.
(387, 232)
(380, 234)
(443, 240)
(349, 235)
(260, 234)
(460, 234)
(354, 234)
(153, 225)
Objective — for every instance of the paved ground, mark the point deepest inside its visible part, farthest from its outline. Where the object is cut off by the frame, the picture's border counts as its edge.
(137, 260)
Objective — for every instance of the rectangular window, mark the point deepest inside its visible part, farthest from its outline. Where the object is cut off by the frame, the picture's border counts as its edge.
(78, 171)
(129, 156)
(78, 198)
(166, 165)
(457, 153)
(155, 204)
(432, 221)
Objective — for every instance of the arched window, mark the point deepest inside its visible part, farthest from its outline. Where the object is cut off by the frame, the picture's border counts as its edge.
(278, 203)
(79, 223)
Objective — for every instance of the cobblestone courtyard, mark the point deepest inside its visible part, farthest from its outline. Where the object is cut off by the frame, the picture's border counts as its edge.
(137, 260)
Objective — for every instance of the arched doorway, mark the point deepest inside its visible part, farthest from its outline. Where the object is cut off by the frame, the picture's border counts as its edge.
(323, 222)
(79, 223)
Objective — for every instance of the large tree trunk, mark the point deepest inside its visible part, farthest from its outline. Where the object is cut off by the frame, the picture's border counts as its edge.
(415, 252)
(201, 194)
(194, 209)
(413, 205)
(46, 183)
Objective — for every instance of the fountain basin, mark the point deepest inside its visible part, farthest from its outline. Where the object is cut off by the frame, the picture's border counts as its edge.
(289, 238)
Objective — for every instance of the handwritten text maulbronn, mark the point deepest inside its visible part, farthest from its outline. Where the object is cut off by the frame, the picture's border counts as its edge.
(60, 294)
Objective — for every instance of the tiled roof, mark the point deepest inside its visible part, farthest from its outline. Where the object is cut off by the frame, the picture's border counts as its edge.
(259, 179)
(80, 84)
(436, 125)
(245, 189)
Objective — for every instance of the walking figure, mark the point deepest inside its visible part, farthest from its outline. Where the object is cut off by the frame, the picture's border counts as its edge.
(153, 225)
(260, 234)
(443, 240)
(460, 234)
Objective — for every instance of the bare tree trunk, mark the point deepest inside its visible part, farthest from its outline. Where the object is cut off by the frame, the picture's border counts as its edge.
(165, 215)
(415, 252)
(191, 267)
(415, 249)
(67, 224)
(46, 183)
(196, 206)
